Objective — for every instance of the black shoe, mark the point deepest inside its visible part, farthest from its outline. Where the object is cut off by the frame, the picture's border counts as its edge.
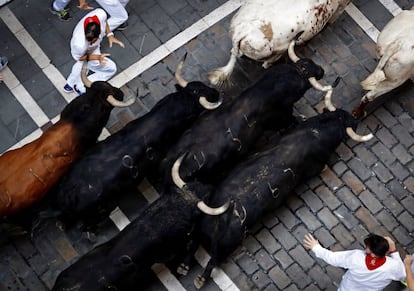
(123, 26)
(63, 14)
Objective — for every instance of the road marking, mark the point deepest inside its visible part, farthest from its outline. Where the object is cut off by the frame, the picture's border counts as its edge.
(362, 21)
(391, 6)
(24, 98)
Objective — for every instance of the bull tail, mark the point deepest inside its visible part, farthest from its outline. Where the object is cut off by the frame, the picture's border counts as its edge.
(378, 76)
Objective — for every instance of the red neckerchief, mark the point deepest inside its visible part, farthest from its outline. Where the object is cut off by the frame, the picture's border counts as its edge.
(90, 19)
(374, 262)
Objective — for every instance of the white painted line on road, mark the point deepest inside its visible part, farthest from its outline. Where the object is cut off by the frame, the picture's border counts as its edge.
(24, 98)
(391, 6)
(362, 21)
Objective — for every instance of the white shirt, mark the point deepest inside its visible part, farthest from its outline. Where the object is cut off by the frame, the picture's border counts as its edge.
(78, 44)
(358, 277)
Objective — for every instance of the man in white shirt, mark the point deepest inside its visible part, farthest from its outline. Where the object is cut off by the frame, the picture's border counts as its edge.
(85, 45)
(371, 269)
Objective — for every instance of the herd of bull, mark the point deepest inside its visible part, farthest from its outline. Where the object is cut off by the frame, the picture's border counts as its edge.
(219, 169)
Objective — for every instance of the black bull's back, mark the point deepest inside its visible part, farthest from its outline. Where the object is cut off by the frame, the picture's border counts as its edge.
(95, 183)
(263, 181)
(221, 137)
(157, 235)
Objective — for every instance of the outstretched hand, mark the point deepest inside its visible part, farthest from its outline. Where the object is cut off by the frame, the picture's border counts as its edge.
(102, 60)
(113, 39)
(309, 241)
(408, 260)
(83, 5)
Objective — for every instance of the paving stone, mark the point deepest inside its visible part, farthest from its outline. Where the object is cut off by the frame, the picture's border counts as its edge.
(302, 257)
(261, 279)
(283, 258)
(403, 135)
(344, 152)
(401, 154)
(352, 181)
(268, 241)
(367, 218)
(365, 155)
(283, 236)
(265, 261)
(247, 264)
(409, 184)
(378, 188)
(298, 275)
(392, 205)
(346, 217)
(406, 220)
(397, 189)
(339, 168)
(408, 203)
(308, 218)
(312, 200)
(343, 236)
(387, 219)
(287, 217)
(327, 218)
(347, 197)
(370, 201)
(402, 237)
(319, 275)
(329, 177)
(327, 197)
(382, 172)
(279, 277)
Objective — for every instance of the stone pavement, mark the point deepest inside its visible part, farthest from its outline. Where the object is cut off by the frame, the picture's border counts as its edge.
(366, 188)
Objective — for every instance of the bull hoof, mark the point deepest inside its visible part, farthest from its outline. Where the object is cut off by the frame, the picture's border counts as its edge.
(199, 282)
(183, 269)
(217, 77)
(358, 113)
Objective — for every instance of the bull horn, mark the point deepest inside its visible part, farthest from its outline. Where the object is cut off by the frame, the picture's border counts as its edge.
(328, 89)
(356, 137)
(85, 79)
(116, 103)
(213, 211)
(181, 81)
(209, 105)
(291, 52)
(175, 174)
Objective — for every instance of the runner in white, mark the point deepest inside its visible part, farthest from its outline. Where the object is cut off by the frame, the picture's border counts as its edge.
(85, 45)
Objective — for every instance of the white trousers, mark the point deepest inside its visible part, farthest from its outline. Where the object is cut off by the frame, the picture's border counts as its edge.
(100, 73)
(115, 8)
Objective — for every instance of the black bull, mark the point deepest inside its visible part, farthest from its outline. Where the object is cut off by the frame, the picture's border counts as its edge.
(263, 182)
(222, 136)
(160, 231)
(94, 185)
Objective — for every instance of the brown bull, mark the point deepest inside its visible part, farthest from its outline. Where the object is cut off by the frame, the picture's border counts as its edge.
(27, 173)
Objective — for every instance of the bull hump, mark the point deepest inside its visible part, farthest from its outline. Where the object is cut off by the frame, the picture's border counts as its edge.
(267, 31)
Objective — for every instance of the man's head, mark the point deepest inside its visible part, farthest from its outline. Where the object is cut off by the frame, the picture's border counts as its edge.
(92, 28)
(376, 244)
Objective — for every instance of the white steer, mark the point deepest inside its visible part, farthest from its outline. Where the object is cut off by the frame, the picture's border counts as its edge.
(263, 29)
(395, 49)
